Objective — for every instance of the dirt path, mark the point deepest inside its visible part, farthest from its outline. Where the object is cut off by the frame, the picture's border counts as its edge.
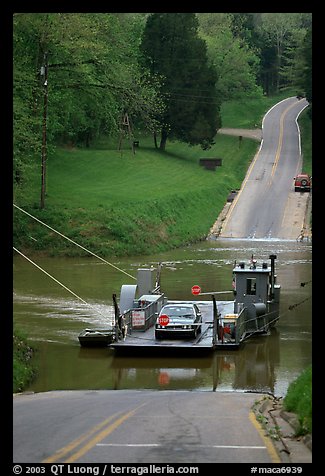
(249, 133)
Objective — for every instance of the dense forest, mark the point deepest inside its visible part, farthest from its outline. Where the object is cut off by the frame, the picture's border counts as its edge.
(80, 76)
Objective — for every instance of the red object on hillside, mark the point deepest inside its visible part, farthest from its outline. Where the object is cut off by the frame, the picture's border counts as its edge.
(196, 289)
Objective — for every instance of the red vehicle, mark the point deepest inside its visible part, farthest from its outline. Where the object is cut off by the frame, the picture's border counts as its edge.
(302, 183)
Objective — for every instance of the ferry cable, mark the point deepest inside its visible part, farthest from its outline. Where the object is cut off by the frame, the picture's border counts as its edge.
(75, 243)
(298, 303)
(304, 283)
(54, 279)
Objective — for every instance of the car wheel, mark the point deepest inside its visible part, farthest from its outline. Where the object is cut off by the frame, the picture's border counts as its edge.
(158, 335)
(304, 183)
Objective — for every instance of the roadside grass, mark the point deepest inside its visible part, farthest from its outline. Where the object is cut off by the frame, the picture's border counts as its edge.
(24, 369)
(299, 400)
(248, 113)
(305, 125)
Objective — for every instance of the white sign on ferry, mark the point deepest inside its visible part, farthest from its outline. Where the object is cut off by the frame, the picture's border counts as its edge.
(138, 318)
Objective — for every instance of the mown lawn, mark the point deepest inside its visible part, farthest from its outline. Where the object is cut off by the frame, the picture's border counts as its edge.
(90, 178)
(248, 113)
(116, 202)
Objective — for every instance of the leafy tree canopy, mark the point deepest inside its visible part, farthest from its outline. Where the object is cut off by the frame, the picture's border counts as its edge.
(236, 62)
(168, 71)
(173, 51)
(94, 76)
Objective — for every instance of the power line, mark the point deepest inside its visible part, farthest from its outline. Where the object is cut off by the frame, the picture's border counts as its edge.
(50, 276)
(74, 242)
(192, 101)
(189, 95)
(56, 280)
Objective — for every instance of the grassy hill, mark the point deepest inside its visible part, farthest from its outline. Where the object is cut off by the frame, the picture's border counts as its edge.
(117, 203)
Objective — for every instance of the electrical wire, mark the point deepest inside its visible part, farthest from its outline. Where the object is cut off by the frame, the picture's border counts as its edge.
(56, 280)
(49, 275)
(75, 243)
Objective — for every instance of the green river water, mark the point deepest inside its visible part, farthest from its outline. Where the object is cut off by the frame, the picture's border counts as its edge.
(52, 319)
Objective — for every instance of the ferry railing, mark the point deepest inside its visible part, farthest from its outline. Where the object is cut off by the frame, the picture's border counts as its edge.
(240, 326)
(247, 327)
(216, 317)
(143, 317)
(137, 319)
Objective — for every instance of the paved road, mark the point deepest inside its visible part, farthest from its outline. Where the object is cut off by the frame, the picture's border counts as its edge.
(138, 427)
(267, 206)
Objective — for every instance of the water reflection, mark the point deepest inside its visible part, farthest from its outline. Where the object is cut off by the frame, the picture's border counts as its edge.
(250, 368)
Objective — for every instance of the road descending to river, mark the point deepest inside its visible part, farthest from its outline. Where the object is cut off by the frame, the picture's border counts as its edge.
(267, 206)
(139, 427)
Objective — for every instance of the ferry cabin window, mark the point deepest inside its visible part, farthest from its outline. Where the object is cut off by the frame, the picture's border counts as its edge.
(251, 286)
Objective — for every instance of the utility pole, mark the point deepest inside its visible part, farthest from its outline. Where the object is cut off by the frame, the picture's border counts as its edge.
(44, 73)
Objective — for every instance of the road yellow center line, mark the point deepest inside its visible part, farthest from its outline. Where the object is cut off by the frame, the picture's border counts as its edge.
(275, 164)
(280, 142)
(99, 437)
(99, 431)
(267, 441)
(71, 446)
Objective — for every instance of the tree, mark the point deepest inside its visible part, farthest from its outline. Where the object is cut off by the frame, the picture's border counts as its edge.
(307, 76)
(173, 52)
(93, 76)
(280, 35)
(303, 70)
(27, 97)
(230, 52)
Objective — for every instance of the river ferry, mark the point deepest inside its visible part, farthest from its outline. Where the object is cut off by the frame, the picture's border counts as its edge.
(140, 319)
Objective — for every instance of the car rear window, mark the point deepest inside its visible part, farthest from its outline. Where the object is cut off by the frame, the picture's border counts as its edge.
(178, 311)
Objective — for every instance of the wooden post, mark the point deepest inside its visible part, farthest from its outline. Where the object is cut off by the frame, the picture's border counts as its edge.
(215, 322)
